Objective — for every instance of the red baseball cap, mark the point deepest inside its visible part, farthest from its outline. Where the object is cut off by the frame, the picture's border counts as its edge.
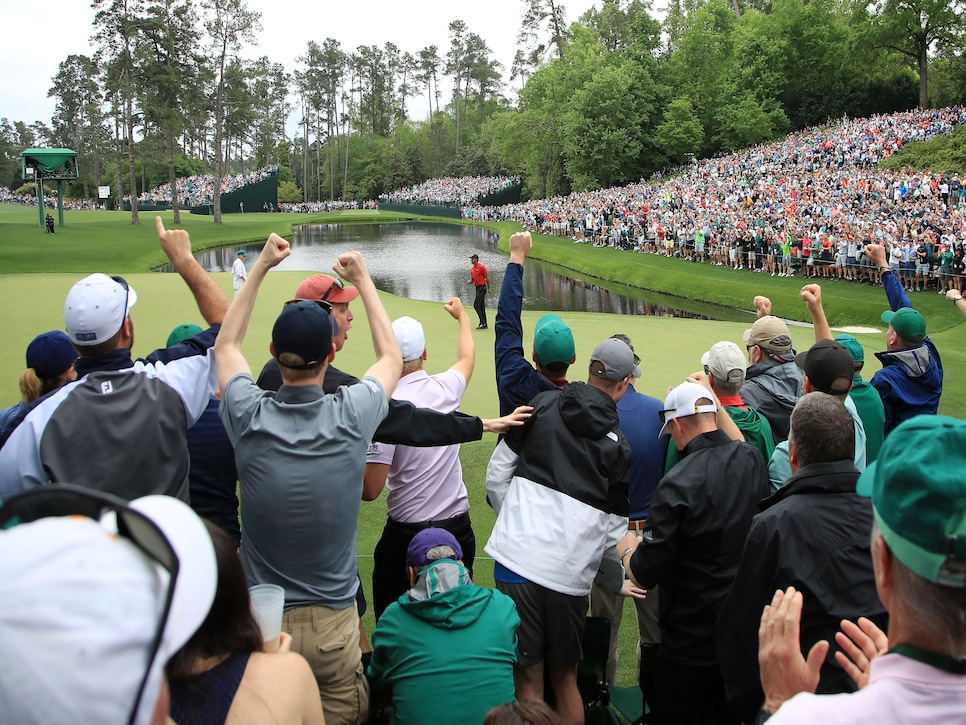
(324, 287)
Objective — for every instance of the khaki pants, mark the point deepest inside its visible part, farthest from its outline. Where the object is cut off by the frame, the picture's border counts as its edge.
(329, 640)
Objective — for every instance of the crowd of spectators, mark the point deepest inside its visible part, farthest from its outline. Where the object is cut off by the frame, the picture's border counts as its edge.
(199, 189)
(805, 205)
(450, 191)
(50, 201)
(318, 207)
(196, 190)
(121, 604)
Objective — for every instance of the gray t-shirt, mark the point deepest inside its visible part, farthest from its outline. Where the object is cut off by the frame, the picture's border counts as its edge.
(301, 456)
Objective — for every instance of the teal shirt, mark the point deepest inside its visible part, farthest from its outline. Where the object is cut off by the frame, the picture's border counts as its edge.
(869, 404)
(780, 469)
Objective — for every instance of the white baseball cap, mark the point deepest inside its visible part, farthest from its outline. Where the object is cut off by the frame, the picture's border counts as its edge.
(683, 401)
(410, 336)
(96, 307)
(82, 605)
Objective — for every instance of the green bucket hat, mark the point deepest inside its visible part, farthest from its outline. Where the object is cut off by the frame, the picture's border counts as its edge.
(918, 494)
(553, 342)
(908, 324)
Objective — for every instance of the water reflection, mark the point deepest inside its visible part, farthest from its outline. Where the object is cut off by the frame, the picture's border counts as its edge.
(431, 262)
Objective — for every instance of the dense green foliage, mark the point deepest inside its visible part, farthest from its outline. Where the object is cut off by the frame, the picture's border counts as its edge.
(943, 154)
(605, 100)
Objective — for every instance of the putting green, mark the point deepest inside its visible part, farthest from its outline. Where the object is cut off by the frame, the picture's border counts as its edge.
(32, 296)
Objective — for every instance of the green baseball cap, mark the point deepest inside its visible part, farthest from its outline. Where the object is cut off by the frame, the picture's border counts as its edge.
(553, 342)
(908, 324)
(852, 345)
(182, 333)
(918, 494)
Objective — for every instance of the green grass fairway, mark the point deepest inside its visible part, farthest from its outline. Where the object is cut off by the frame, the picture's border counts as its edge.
(38, 270)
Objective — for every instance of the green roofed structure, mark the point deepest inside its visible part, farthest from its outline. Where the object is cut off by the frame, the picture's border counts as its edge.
(58, 165)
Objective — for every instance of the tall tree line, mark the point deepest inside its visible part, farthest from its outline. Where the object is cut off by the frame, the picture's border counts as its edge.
(604, 100)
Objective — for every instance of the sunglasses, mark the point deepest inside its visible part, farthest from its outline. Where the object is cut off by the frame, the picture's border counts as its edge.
(59, 500)
(336, 284)
(127, 295)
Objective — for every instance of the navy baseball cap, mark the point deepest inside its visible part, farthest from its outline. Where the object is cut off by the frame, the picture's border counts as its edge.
(305, 329)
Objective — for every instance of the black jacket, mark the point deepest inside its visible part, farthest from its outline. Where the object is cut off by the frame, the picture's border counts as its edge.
(813, 534)
(405, 424)
(700, 514)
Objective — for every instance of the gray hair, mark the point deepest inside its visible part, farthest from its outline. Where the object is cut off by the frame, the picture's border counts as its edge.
(935, 612)
(822, 430)
(440, 551)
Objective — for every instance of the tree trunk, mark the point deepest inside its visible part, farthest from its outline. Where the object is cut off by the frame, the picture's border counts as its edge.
(458, 96)
(305, 160)
(129, 121)
(331, 143)
(120, 174)
(345, 137)
(172, 179)
(923, 76)
(318, 154)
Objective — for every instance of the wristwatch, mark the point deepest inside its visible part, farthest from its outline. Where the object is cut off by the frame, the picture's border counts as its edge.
(957, 298)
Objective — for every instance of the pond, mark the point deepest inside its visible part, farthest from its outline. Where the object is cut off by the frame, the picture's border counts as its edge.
(431, 262)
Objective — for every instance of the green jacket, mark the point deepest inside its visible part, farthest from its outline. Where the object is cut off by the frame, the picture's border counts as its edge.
(445, 650)
(753, 426)
(869, 405)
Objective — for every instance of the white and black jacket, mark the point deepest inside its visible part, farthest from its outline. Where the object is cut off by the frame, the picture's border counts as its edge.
(559, 486)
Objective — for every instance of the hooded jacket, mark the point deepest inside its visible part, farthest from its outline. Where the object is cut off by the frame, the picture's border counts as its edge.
(445, 649)
(559, 486)
(911, 379)
(772, 387)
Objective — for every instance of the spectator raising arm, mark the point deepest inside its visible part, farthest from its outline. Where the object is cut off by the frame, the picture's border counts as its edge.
(465, 347)
(811, 295)
(228, 355)
(211, 300)
(956, 297)
(388, 365)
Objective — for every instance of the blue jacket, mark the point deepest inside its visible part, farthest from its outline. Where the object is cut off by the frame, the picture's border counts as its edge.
(517, 382)
(911, 379)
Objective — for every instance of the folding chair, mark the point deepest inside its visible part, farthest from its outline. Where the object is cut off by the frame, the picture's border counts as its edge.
(592, 674)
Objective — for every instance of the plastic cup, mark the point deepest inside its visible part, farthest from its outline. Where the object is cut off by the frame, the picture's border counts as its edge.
(268, 601)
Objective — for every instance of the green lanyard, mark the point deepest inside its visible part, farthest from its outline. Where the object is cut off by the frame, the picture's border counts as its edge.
(933, 659)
